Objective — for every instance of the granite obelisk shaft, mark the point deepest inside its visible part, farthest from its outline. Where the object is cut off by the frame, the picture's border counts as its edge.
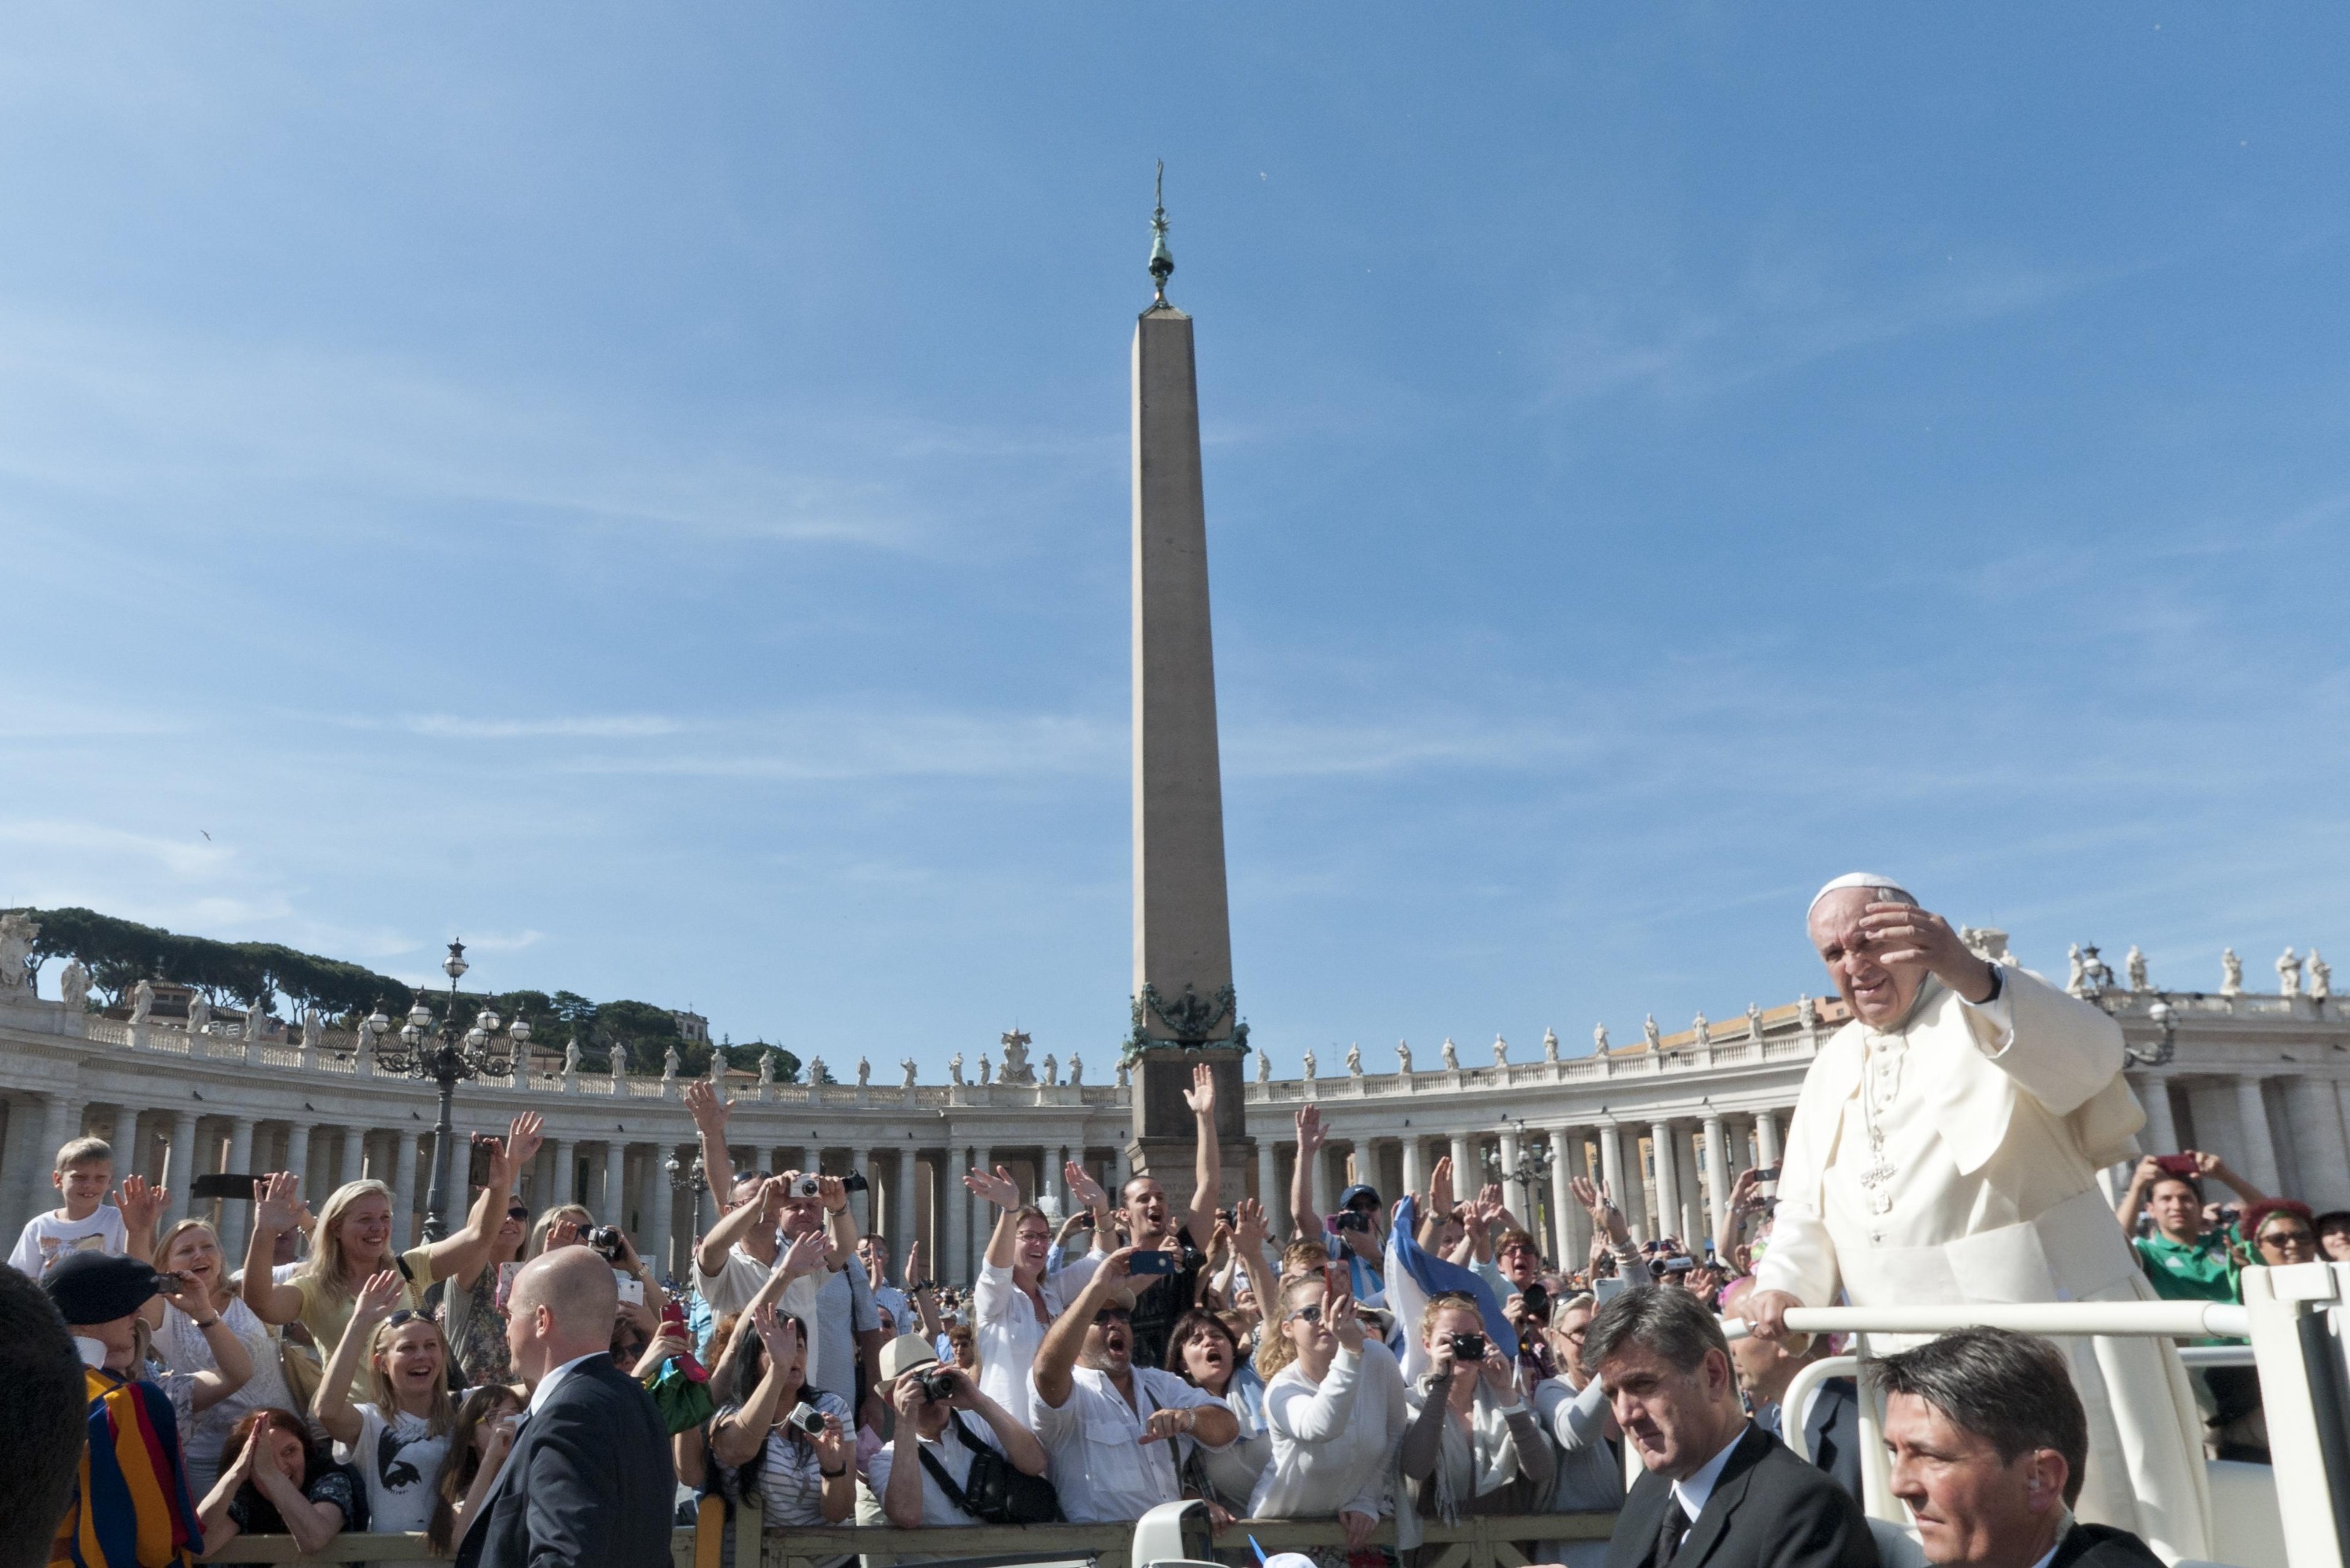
(1184, 1006)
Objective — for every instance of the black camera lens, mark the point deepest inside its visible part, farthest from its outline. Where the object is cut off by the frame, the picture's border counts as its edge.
(1467, 1348)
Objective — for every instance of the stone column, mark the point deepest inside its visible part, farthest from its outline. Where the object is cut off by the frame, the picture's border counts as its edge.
(1123, 1168)
(403, 1190)
(566, 1173)
(1669, 1177)
(2316, 1118)
(180, 1167)
(1566, 1231)
(236, 1218)
(983, 1213)
(1611, 1172)
(1415, 1165)
(2260, 1146)
(952, 1265)
(2161, 1132)
(1514, 1193)
(902, 1228)
(354, 1155)
(297, 1156)
(1717, 1180)
(861, 1203)
(1058, 1178)
(614, 1210)
(1268, 1184)
(1689, 1220)
(1766, 1138)
(658, 1202)
(1464, 1174)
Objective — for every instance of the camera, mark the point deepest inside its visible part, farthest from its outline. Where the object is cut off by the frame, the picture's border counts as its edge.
(1467, 1348)
(936, 1386)
(1659, 1267)
(806, 1187)
(1537, 1300)
(1351, 1220)
(808, 1419)
(606, 1242)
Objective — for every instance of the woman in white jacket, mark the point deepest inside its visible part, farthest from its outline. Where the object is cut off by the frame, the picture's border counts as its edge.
(1336, 1408)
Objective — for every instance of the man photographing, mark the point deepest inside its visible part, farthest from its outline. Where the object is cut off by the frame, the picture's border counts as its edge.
(1988, 1439)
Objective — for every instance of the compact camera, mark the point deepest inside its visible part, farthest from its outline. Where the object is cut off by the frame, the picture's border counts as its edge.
(808, 1419)
(1351, 1220)
(936, 1386)
(605, 1241)
(1467, 1348)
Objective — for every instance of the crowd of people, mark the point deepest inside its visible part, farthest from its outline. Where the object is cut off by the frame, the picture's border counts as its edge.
(1400, 1360)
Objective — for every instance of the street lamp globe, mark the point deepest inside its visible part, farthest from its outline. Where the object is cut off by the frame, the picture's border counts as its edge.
(455, 965)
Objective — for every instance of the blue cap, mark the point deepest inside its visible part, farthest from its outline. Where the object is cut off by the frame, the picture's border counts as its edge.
(1360, 1190)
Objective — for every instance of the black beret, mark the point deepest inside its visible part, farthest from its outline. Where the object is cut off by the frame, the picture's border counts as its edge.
(99, 1287)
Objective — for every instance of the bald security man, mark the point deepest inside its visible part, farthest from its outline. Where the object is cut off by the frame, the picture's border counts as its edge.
(589, 1483)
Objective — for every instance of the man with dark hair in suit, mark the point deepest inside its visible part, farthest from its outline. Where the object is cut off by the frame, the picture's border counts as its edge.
(1830, 1418)
(589, 1483)
(1719, 1493)
(1988, 1438)
(42, 1401)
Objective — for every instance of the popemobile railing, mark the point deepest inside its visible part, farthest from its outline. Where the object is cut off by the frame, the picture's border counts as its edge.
(2294, 1318)
(1499, 1541)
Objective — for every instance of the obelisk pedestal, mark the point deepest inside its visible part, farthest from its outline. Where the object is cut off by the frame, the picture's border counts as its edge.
(1184, 1011)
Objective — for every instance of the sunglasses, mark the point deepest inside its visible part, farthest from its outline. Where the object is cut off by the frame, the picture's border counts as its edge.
(1112, 1314)
(404, 1315)
(517, 1212)
(1310, 1313)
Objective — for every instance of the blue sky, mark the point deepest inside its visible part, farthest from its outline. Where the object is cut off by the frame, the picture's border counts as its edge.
(647, 492)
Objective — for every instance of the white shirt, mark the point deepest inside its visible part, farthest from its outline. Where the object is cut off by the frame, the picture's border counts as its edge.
(1100, 1466)
(400, 1460)
(1694, 1492)
(952, 1456)
(1332, 1443)
(1007, 1329)
(548, 1384)
(48, 1233)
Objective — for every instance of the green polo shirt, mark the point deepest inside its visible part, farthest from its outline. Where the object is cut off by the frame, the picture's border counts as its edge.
(2197, 1270)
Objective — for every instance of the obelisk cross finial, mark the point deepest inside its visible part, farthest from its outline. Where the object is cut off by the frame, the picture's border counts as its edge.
(1162, 260)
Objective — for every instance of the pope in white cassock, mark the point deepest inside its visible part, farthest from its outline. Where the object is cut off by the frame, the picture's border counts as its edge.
(1945, 1149)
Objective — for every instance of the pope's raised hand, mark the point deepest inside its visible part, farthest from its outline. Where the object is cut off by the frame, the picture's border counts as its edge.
(1904, 933)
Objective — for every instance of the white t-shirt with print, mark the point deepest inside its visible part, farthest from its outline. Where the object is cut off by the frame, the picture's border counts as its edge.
(399, 1462)
(50, 1233)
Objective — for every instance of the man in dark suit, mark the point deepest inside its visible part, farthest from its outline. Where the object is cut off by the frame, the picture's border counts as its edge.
(589, 1483)
(1719, 1493)
(1831, 1416)
(1988, 1439)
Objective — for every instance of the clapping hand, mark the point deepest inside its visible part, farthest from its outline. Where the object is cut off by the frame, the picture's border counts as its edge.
(999, 1190)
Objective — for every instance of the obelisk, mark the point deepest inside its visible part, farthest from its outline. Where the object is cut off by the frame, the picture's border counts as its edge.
(1183, 1006)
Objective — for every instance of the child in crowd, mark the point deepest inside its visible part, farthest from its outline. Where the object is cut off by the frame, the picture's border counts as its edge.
(398, 1438)
(86, 1222)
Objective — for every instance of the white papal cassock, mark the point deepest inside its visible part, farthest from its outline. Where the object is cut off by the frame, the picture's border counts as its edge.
(1954, 1159)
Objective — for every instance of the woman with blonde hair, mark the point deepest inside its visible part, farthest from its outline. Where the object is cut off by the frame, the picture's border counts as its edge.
(478, 1446)
(1334, 1407)
(354, 1241)
(399, 1437)
(565, 1225)
(210, 1329)
(1474, 1445)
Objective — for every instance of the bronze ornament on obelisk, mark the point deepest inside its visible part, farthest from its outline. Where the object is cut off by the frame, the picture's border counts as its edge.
(1183, 1007)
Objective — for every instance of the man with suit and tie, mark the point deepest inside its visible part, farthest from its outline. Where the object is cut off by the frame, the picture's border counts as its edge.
(1720, 1492)
(1989, 1439)
(1830, 1418)
(589, 1483)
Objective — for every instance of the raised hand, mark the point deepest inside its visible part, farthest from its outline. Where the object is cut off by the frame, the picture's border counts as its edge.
(139, 1202)
(1201, 1095)
(1084, 1190)
(1903, 933)
(1338, 1314)
(914, 1261)
(275, 1204)
(776, 1330)
(509, 1155)
(999, 1190)
(378, 1298)
(709, 1108)
(809, 1254)
(564, 1233)
(1251, 1228)
(1440, 1186)
(1309, 1132)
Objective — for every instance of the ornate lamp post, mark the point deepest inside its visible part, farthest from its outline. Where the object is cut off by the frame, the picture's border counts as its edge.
(691, 1178)
(445, 1057)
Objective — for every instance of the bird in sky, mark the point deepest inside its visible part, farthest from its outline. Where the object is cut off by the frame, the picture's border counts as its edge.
(208, 838)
